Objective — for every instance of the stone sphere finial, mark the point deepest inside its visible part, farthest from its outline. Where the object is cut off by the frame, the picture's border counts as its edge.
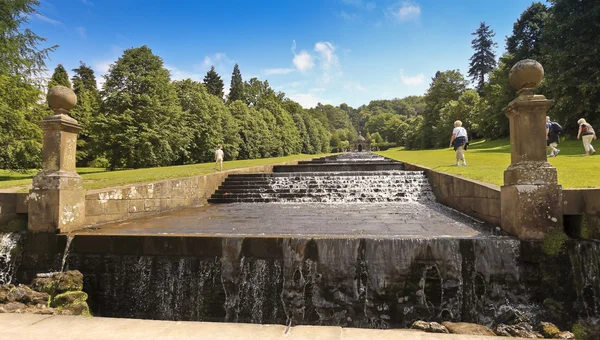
(526, 74)
(61, 99)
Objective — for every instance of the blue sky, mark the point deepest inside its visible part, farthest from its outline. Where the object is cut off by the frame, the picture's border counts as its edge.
(328, 51)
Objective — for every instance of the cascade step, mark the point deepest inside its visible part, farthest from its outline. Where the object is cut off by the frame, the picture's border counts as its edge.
(362, 177)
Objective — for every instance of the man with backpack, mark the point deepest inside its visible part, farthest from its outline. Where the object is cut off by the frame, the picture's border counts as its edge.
(553, 130)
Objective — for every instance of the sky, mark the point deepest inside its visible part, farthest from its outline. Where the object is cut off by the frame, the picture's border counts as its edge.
(327, 51)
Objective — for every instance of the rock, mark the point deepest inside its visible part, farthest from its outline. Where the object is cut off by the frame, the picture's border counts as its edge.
(58, 283)
(422, 325)
(4, 290)
(69, 298)
(71, 303)
(435, 327)
(18, 294)
(12, 307)
(503, 330)
(468, 328)
(523, 330)
(549, 330)
(564, 335)
(37, 298)
(510, 316)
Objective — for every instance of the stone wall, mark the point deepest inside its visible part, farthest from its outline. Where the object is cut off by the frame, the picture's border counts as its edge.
(474, 198)
(135, 200)
(12, 206)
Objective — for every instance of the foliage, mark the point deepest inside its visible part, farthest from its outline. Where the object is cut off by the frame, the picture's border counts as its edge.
(21, 62)
(87, 107)
(140, 123)
(466, 108)
(483, 60)
(445, 86)
(236, 89)
(258, 92)
(571, 45)
(60, 77)
(214, 83)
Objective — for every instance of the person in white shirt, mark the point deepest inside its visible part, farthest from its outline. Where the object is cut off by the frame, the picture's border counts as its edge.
(459, 139)
(219, 157)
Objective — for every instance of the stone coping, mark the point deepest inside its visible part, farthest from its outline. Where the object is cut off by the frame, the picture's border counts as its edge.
(30, 326)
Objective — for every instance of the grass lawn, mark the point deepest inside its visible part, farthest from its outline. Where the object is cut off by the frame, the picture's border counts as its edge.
(94, 178)
(486, 161)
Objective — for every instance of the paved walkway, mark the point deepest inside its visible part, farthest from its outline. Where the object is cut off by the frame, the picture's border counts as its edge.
(369, 220)
(29, 326)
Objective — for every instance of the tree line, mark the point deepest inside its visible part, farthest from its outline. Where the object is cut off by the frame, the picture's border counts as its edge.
(142, 118)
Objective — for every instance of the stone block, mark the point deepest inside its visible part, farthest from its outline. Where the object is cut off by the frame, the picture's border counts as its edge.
(163, 245)
(573, 201)
(95, 207)
(135, 192)
(136, 206)
(115, 207)
(52, 210)
(202, 246)
(98, 244)
(531, 211)
(152, 205)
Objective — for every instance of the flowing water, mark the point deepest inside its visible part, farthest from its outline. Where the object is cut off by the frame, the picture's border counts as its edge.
(10, 256)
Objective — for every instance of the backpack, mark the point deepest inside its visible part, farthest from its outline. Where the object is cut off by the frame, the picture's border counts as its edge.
(555, 127)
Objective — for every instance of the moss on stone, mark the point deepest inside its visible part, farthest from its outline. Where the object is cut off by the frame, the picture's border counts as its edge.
(73, 303)
(553, 242)
(580, 331)
(14, 226)
(554, 308)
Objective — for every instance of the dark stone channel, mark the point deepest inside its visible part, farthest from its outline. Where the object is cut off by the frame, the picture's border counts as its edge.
(369, 283)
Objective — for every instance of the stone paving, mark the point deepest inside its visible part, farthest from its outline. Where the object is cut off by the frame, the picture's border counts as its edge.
(30, 327)
(371, 220)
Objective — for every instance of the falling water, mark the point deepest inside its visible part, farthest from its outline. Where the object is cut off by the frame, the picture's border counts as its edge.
(9, 256)
(384, 186)
(66, 253)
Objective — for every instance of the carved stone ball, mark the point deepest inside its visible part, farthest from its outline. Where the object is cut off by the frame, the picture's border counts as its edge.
(526, 73)
(61, 97)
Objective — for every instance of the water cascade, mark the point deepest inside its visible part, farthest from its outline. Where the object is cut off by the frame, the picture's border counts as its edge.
(9, 256)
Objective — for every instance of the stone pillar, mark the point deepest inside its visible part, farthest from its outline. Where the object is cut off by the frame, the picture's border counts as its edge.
(531, 199)
(57, 199)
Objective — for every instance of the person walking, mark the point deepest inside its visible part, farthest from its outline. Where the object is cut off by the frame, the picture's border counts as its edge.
(459, 140)
(219, 157)
(587, 134)
(553, 130)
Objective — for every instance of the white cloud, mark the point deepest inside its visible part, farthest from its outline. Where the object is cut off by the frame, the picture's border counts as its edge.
(46, 19)
(352, 2)
(177, 74)
(307, 100)
(278, 71)
(329, 60)
(407, 12)
(218, 60)
(87, 2)
(415, 80)
(303, 60)
(81, 31)
(354, 86)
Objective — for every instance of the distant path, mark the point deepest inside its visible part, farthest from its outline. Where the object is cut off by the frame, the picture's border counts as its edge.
(30, 326)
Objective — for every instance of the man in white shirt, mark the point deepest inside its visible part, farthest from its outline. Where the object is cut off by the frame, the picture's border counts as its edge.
(459, 139)
(219, 157)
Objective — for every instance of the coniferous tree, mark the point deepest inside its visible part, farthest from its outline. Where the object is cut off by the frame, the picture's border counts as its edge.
(236, 90)
(140, 122)
(483, 60)
(59, 77)
(214, 83)
(21, 63)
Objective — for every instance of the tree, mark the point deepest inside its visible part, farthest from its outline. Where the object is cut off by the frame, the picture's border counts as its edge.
(466, 108)
(214, 83)
(258, 92)
(444, 87)
(571, 44)
(483, 60)
(22, 64)
(60, 77)
(208, 120)
(140, 122)
(236, 89)
(87, 107)
(525, 41)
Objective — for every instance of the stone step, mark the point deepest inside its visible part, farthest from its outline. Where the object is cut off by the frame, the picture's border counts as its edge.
(390, 173)
(358, 166)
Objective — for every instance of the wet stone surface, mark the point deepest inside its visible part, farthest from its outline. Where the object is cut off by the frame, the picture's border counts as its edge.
(370, 220)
